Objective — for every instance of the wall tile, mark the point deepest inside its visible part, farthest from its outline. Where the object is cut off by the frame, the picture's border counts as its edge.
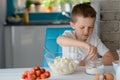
(110, 5)
(110, 26)
(110, 37)
(109, 16)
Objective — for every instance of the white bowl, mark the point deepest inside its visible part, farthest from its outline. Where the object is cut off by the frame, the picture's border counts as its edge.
(14, 20)
(60, 65)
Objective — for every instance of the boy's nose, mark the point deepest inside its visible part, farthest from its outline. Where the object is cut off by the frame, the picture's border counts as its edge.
(86, 31)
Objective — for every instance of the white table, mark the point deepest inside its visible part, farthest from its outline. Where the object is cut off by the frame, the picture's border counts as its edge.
(79, 74)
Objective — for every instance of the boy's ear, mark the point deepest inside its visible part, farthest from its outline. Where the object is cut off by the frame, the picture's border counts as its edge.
(72, 25)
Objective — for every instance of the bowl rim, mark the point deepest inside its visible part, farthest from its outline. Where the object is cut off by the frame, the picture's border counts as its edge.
(115, 62)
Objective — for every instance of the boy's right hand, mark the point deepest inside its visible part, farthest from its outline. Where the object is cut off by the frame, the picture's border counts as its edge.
(92, 51)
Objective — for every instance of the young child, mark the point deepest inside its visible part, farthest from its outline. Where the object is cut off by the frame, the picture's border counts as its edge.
(82, 41)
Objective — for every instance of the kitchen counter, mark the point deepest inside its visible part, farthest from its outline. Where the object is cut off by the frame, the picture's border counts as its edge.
(42, 23)
(79, 74)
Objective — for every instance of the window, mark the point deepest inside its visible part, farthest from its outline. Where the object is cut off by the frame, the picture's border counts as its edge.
(44, 6)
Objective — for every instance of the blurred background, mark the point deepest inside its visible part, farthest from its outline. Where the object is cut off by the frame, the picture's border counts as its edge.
(23, 24)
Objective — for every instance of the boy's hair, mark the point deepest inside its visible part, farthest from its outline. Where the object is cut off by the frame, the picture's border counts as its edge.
(84, 10)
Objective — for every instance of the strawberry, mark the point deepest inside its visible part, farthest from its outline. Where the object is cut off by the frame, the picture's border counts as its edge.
(36, 68)
(38, 72)
(47, 73)
(43, 76)
(24, 76)
(42, 70)
(30, 76)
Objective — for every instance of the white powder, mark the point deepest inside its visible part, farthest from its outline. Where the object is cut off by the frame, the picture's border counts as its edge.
(96, 70)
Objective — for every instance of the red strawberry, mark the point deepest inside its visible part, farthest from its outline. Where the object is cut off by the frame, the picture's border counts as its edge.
(30, 76)
(37, 68)
(43, 76)
(42, 70)
(38, 72)
(47, 73)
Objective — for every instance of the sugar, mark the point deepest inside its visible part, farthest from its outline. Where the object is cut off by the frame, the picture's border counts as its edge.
(95, 70)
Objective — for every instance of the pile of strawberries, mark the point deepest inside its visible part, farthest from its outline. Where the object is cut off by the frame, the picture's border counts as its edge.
(36, 73)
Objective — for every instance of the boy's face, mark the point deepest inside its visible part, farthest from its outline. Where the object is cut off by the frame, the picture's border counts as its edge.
(83, 27)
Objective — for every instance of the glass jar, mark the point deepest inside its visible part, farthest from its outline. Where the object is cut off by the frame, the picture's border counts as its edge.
(95, 66)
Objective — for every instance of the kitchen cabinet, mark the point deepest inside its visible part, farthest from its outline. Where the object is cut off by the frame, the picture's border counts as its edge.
(24, 45)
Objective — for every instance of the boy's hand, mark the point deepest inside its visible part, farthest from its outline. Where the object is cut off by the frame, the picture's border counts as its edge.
(92, 51)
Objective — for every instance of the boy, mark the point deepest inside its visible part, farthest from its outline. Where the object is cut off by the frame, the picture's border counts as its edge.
(82, 41)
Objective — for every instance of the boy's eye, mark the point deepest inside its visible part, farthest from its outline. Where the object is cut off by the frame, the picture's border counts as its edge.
(90, 27)
(82, 27)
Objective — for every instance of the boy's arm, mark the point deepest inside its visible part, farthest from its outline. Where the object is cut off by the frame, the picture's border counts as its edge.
(66, 41)
(107, 58)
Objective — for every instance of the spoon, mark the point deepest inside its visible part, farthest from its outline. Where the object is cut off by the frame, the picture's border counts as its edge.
(49, 52)
(86, 57)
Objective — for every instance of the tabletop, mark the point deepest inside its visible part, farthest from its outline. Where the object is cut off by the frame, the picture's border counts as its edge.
(79, 74)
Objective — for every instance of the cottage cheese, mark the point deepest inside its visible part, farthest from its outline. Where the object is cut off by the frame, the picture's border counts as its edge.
(63, 65)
